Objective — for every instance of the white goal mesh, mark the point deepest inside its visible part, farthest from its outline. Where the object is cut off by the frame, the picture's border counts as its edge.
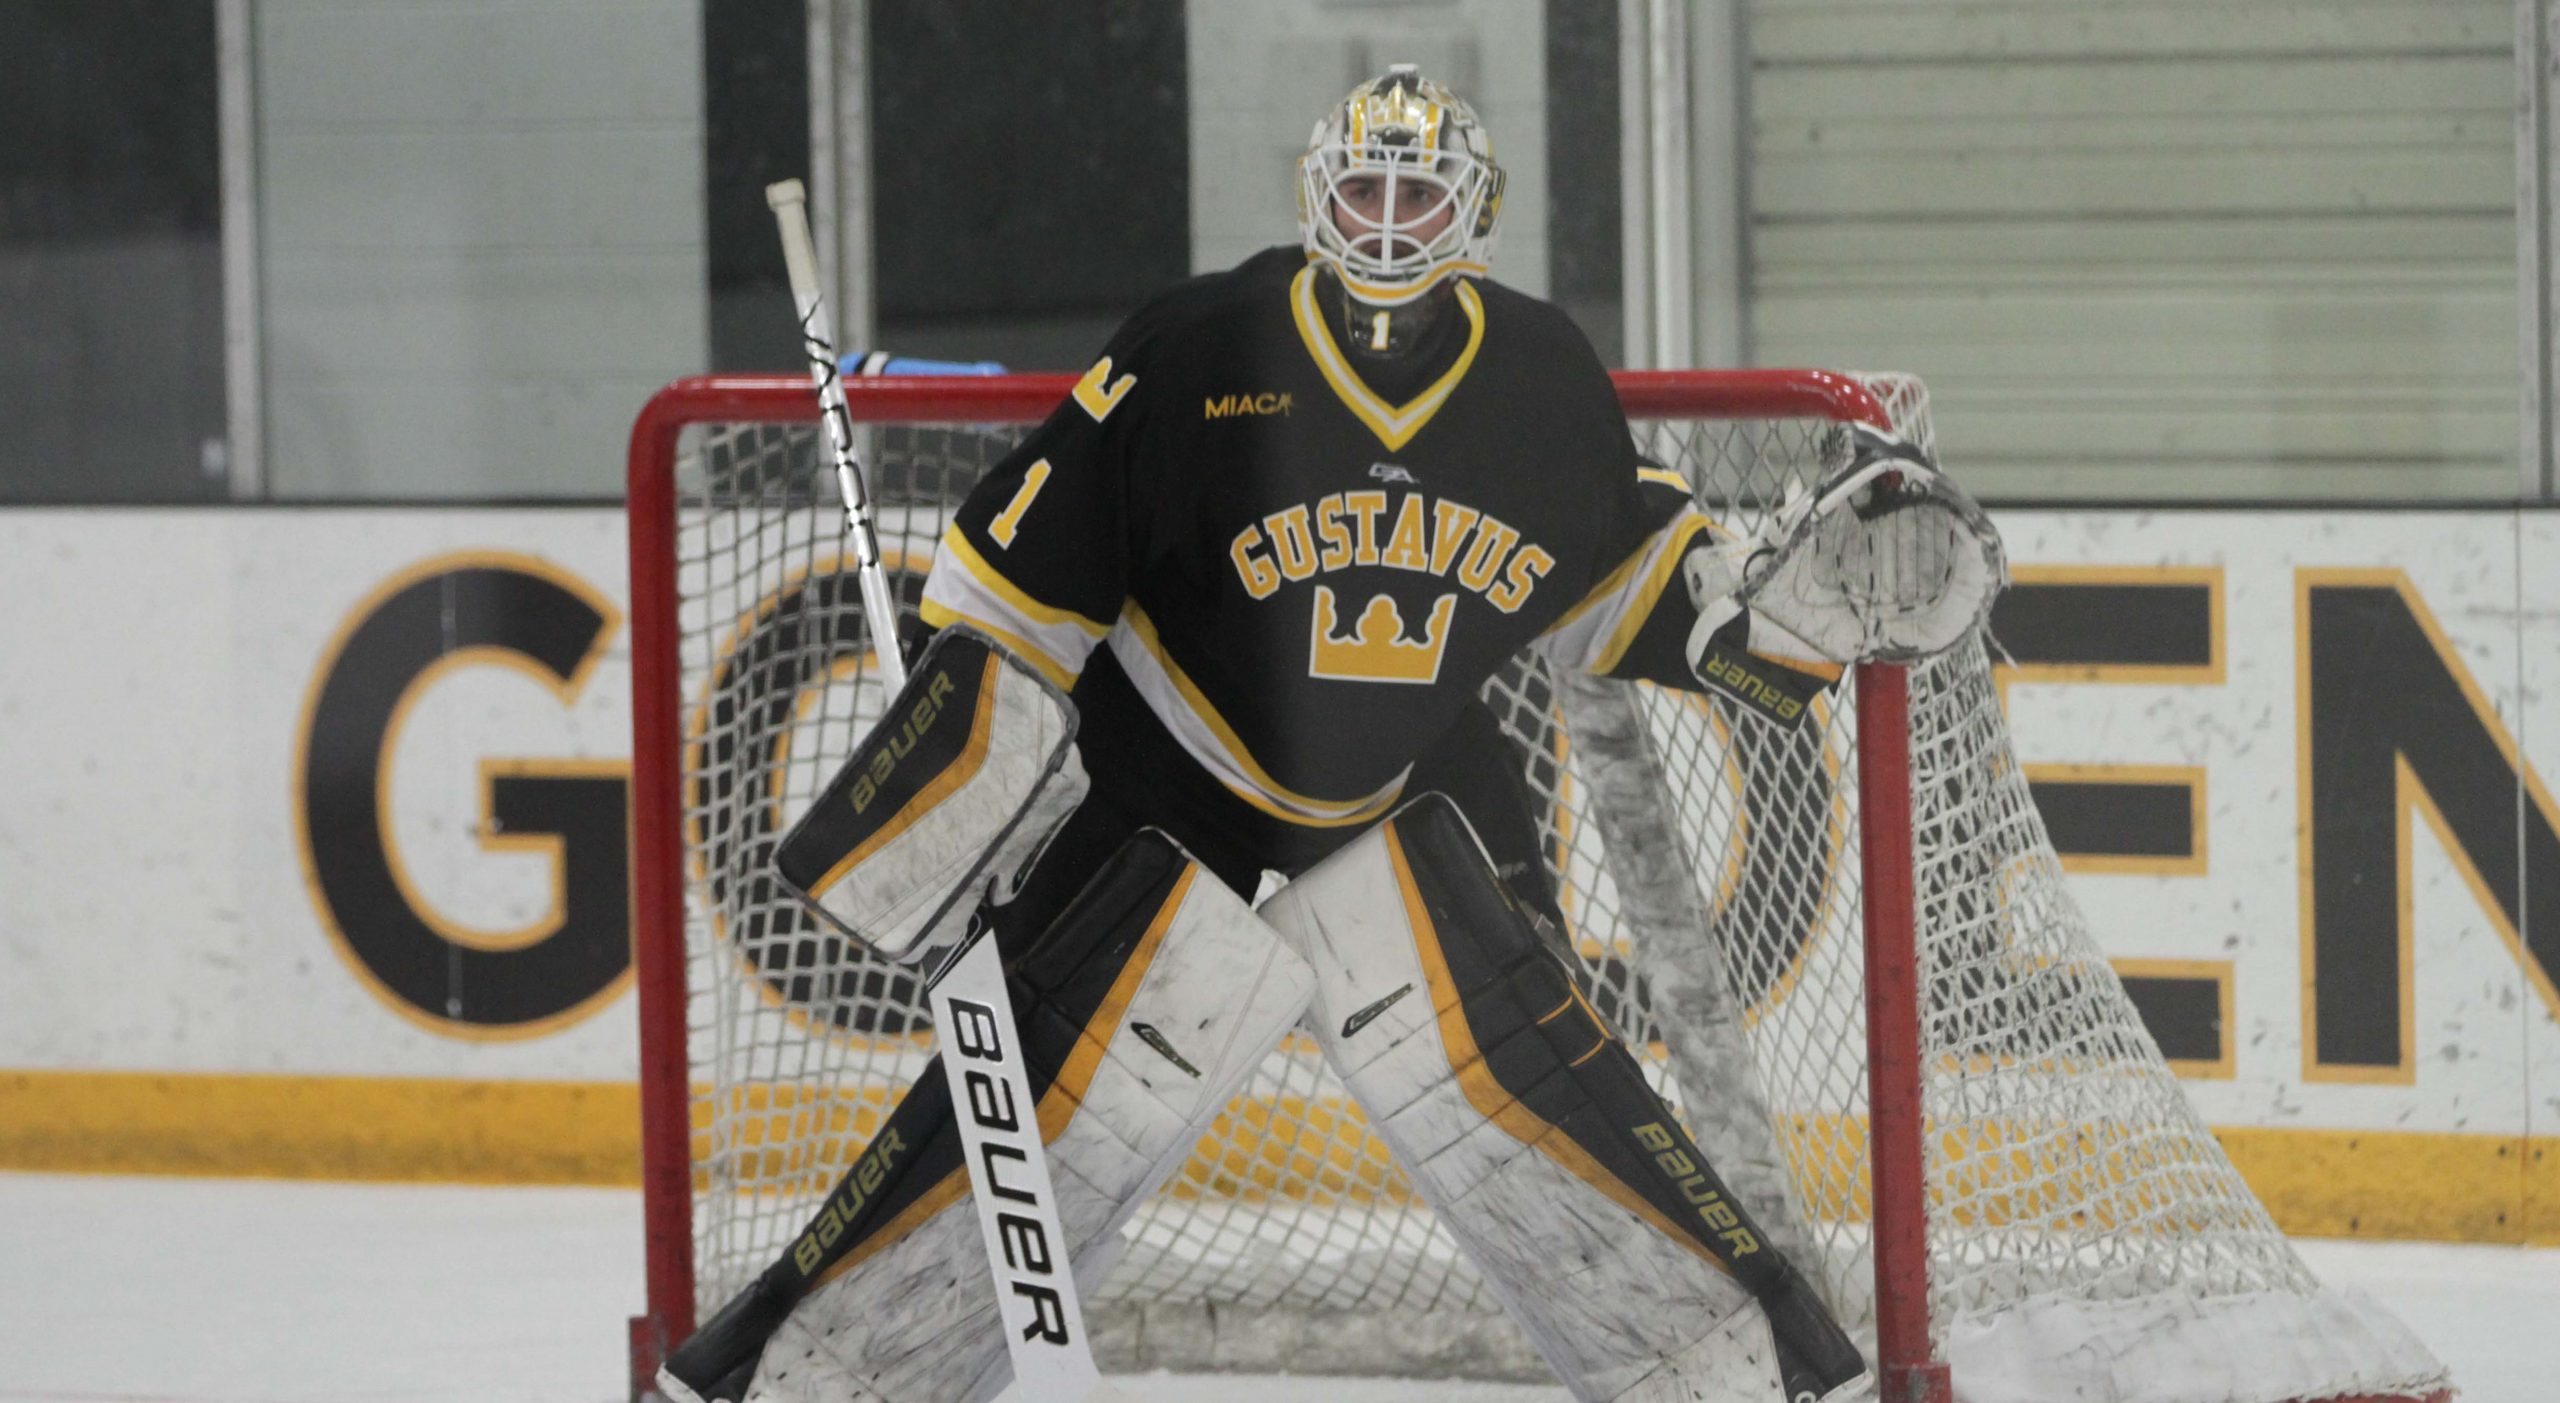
(1709, 867)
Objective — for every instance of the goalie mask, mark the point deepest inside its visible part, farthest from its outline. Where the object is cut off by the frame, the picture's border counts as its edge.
(1398, 195)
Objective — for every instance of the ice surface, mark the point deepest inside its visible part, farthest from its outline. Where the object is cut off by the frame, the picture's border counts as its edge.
(117, 1290)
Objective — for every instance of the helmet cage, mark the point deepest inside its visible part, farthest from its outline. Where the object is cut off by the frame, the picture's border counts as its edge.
(1381, 241)
(1399, 156)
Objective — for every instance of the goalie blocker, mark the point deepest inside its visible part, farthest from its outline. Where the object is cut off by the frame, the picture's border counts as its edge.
(944, 802)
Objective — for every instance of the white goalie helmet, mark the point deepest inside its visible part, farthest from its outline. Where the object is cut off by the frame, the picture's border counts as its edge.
(1398, 191)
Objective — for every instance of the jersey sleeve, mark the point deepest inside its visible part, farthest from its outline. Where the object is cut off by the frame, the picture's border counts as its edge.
(1634, 622)
(1038, 556)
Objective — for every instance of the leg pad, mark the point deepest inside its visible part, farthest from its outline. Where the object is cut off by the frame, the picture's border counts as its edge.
(1530, 1129)
(1144, 1009)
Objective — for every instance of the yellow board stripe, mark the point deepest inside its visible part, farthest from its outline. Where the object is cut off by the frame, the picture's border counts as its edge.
(307, 1127)
(2322, 1183)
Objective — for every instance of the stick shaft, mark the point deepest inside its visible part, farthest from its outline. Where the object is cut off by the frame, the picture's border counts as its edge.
(817, 339)
(1037, 1304)
(1015, 1199)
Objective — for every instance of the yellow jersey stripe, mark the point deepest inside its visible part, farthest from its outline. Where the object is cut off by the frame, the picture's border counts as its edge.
(941, 615)
(1395, 425)
(1261, 790)
(1648, 593)
(955, 546)
(1604, 591)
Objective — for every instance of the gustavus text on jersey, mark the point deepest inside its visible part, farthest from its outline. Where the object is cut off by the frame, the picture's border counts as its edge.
(1400, 531)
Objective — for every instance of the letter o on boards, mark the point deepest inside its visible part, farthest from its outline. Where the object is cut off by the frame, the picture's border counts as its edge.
(801, 635)
(480, 609)
(1793, 852)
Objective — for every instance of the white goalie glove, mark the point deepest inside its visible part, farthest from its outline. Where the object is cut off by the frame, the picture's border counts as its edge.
(1887, 561)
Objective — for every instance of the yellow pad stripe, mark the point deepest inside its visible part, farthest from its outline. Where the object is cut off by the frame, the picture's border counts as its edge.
(982, 729)
(1486, 1095)
(1058, 1104)
(1295, 807)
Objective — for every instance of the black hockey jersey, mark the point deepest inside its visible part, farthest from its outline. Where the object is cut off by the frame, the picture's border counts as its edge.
(1299, 582)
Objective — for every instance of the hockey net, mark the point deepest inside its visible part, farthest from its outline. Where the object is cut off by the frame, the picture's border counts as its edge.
(2047, 1194)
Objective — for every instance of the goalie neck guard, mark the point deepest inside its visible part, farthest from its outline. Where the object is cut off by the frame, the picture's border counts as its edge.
(1398, 194)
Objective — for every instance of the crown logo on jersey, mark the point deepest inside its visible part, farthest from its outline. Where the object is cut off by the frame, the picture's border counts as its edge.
(1377, 650)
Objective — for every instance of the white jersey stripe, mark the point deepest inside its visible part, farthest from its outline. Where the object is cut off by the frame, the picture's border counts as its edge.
(1206, 737)
(1594, 635)
(964, 588)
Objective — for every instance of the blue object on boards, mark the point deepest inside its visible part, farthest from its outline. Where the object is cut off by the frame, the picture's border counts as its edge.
(884, 363)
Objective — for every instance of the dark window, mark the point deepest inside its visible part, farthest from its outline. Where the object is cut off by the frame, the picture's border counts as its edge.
(1032, 168)
(1584, 274)
(755, 87)
(1030, 173)
(111, 381)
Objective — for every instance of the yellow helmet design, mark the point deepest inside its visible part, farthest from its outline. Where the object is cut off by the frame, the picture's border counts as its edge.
(1398, 190)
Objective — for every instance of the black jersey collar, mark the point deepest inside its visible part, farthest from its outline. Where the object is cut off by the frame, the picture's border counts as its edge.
(1394, 425)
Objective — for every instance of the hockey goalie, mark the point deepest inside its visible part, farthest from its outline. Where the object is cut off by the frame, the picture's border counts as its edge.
(1226, 613)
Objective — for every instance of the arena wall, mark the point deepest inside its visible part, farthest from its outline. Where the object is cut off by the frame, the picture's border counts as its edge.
(324, 877)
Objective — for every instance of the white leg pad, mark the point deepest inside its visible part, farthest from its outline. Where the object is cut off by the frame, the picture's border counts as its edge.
(1620, 1307)
(916, 1322)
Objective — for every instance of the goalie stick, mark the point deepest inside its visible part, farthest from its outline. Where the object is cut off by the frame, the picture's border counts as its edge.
(1017, 1205)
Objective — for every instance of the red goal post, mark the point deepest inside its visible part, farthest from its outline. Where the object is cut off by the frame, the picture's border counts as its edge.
(1930, 1220)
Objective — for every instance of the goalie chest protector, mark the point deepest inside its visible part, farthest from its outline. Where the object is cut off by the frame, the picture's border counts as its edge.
(1303, 575)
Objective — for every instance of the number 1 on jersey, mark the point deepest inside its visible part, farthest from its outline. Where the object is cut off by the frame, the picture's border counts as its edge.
(1002, 528)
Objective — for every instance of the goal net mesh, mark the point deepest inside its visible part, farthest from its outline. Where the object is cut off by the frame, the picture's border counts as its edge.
(1708, 866)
